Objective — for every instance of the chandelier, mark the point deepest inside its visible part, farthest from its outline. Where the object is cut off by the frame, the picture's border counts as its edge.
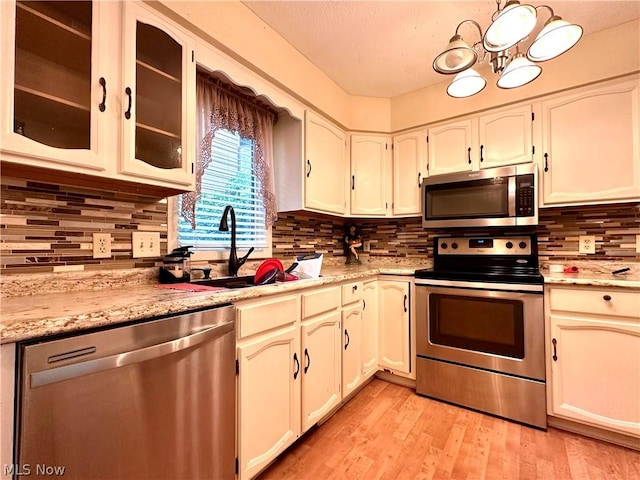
(510, 26)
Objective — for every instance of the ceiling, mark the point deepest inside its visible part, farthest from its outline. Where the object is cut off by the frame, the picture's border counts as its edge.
(385, 48)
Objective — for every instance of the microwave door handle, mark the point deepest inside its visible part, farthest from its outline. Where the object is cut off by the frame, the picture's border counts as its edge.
(511, 193)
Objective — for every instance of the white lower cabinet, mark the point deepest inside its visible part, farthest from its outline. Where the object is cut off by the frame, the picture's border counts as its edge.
(352, 339)
(369, 346)
(594, 357)
(269, 381)
(394, 342)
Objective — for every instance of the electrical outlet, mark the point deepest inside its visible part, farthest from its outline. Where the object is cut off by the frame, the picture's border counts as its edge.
(366, 246)
(637, 243)
(145, 244)
(101, 245)
(587, 244)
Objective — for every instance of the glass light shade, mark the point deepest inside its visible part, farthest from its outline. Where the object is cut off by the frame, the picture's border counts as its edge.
(556, 37)
(513, 24)
(519, 72)
(458, 56)
(466, 84)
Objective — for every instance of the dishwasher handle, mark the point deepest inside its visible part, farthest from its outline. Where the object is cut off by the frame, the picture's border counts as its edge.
(66, 372)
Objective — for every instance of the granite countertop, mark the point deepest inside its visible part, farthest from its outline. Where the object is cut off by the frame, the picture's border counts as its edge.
(85, 302)
(34, 316)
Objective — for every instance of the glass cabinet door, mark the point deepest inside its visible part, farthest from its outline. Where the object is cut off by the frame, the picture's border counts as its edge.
(155, 98)
(52, 94)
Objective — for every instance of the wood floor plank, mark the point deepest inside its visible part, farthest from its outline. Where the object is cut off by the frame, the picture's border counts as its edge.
(387, 432)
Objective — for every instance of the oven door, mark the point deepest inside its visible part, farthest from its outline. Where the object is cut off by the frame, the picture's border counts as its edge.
(492, 329)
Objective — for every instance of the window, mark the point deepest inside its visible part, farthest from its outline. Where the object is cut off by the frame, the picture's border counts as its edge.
(228, 180)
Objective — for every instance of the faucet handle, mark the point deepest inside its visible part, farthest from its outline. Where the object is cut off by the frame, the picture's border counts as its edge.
(244, 259)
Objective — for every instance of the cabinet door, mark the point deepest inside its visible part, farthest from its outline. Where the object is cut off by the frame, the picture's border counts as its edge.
(351, 345)
(269, 377)
(506, 137)
(595, 376)
(369, 351)
(393, 336)
(369, 162)
(158, 99)
(409, 166)
(321, 367)
(55, 111)
(450, 147)
(591, 145)
(325, 173)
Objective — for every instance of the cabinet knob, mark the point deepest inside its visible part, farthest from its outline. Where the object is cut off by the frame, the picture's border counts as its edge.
(606, 298)
(354, 288)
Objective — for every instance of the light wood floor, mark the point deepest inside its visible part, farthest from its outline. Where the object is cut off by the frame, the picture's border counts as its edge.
(389, 432)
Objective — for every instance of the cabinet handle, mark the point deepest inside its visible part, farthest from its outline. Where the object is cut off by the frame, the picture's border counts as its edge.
(309, 171)
(306, 354)
(353, 182)
(469, 154)
(103, 106)
(419, 179)
(555, 352)
(354, 288)
(405, 303)
(364, 304)
(546, 162)
(481, 157)
(346, 334)
(127, 114)
(295, 359)
(607, 298)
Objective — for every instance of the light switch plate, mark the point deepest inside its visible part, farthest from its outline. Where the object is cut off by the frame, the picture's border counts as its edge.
(101, 245)
(587, 244)
(145, 244)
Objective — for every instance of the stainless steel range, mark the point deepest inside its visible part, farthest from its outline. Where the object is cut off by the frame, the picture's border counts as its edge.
(480, 327)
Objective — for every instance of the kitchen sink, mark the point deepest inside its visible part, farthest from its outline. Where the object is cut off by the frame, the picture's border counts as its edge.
(227, 282)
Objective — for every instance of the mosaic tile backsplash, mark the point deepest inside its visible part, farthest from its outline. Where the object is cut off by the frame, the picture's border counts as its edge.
(47, 228)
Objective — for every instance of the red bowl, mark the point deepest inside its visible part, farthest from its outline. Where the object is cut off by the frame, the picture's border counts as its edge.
(266, 267)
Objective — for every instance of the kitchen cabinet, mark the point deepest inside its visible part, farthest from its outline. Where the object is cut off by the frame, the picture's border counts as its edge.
(409, 167)
(593, 349)
(65, 101)
(370, 174)
(321, 354)
(369, 346)
(494, 139)
(269, 380)
(159, 97)
(326, 172)
(591, 145)
(352, 372)
(394, 341)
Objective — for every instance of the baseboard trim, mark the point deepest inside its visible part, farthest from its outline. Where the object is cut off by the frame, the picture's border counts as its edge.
(621, 439)
(390, 377)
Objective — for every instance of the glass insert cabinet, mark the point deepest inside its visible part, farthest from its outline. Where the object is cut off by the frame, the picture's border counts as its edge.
(105, 88)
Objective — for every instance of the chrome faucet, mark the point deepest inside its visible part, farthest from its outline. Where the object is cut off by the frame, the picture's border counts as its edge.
(234, 262)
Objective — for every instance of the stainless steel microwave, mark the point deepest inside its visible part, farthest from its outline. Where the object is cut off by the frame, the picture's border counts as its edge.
(505, 196)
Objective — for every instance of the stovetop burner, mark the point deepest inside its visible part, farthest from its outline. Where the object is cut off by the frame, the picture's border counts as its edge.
(504, 259)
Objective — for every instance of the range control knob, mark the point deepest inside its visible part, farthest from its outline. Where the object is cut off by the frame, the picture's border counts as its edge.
(454, 245)
(522, 244)
(509, 245)
(443, 246)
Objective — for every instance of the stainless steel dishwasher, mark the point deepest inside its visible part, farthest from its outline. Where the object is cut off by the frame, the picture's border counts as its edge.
(146, 401)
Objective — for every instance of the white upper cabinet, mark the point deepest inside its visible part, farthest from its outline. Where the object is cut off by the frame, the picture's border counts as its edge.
(326, 172)
(495, 139)
(85, 93)
(158, 98)
(591, 145)
(409, 167)
(450, 147)
(60, 73)
(506, 137)
(370, 170)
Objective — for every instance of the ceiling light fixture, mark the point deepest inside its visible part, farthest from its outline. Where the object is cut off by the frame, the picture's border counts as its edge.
(510, 25)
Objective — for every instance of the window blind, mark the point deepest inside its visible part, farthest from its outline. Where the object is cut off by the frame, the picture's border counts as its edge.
(228, 180)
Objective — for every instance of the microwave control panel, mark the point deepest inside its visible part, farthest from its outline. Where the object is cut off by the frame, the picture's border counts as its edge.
(525, 195)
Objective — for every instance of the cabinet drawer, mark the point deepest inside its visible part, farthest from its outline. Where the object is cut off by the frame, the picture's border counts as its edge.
(351, 292)
(320, 301)
(263, 315)
(597, 302)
